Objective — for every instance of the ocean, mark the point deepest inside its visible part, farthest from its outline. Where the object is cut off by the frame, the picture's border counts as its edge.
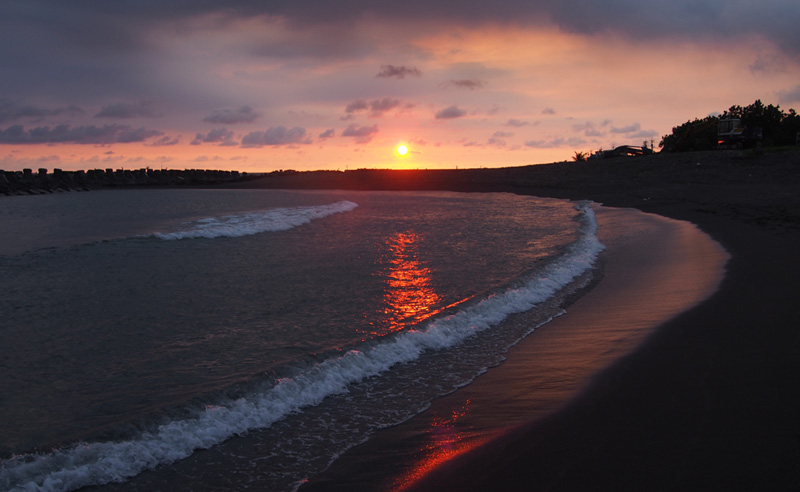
(243, 339)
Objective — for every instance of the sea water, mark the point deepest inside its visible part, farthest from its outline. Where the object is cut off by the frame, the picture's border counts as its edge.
(235, 339)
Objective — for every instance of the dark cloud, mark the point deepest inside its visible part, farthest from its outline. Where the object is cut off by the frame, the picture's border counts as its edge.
(449, 113)
(219, 136)
(556, 142)
(165, 141)
(380, 106)
(330, 132)
(106, 134)
(589, 129)
(515, 123)
(362, 134)
(376, 108)
(644, 134)
(276, 135)
(470, 84)
(398, 72)
(548, 111)
(144, 109)
(12, 111)
(117, 50)
(633, 127)
(53, 29)
(790, 96)
(356, 106)
(503, 135)
(228, 116)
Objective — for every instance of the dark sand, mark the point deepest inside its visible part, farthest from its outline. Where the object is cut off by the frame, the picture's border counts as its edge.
(654, 268)
(710, 400)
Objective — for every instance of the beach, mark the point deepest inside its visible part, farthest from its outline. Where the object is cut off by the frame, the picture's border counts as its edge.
(652, 346)
(653, 268)
(708, 400)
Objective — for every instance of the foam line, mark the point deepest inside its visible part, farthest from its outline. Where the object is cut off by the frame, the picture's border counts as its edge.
(245, 224)
(98, 463)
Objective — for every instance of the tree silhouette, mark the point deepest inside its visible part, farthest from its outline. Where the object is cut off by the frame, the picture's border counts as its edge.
(778, 127)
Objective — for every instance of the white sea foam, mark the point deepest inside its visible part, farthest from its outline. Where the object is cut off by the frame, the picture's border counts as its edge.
(97, 463)
(245, 224)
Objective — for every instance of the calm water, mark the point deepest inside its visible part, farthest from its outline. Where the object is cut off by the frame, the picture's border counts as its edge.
(244, 339)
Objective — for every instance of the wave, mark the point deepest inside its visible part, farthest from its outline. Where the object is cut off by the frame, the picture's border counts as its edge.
(248, 223)
(104, 462)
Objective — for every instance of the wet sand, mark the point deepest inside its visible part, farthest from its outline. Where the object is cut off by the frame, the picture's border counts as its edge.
(653, 269)
(709, 400)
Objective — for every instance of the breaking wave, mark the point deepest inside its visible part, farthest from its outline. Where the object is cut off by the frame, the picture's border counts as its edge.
(103, 462)
(248, 223)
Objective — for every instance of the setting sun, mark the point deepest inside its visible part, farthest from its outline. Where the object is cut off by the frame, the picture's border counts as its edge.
(402, 150)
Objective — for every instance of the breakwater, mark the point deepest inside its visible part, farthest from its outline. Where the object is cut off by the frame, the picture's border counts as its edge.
(28, 182)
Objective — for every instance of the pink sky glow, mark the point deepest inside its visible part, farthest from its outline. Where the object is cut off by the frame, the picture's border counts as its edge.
(256, 90)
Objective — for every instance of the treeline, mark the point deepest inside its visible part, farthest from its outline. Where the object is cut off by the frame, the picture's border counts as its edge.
(778, 127)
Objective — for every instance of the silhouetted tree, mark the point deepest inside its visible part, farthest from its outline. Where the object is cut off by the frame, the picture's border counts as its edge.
(757, 115)
(695, 134)
(778, 127)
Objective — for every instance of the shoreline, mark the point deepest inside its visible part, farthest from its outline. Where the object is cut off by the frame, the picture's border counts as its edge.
(549, 367)
(710, 401)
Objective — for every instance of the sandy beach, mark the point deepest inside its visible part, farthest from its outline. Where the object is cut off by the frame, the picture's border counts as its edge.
(653, 268)
(708, 400)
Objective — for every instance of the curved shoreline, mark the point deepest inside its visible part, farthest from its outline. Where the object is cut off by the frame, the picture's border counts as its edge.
(709, 402)
(548, 368)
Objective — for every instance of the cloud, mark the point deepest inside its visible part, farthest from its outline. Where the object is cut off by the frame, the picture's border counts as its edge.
(144, 109)
(790, 96)
(276, 135)
(106, 134)
(165, 141)
(589, 129)
(11, 111)
(516, 123)
(356, 106)
(93, 37)
(644, 134)
(548, 111)
(766, 64)
(503, 134)
(330, 132)
(376, 108)
(634, 127)
(228, 116)
(470, 84)
(221, 136)
(449, 113)
(556, 142)
(398, 72)
(362, 134)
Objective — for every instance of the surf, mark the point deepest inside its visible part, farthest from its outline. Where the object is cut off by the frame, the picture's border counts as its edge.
(95, 463)
(256, 222)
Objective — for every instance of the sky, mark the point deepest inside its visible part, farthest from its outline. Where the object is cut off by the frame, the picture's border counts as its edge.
(259, 86)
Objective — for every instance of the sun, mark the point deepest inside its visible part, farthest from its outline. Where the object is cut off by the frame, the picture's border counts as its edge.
(402, 150)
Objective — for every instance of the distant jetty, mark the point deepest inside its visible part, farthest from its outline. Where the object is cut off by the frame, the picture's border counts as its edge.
(28, 182)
